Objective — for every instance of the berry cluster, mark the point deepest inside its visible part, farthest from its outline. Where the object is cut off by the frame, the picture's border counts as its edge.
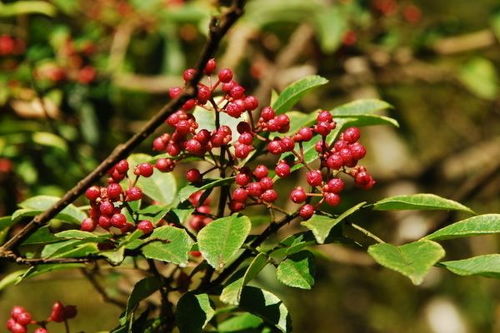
(256, 186)
(108, 201)
(10, 45)
(20, 318)
(199, 219)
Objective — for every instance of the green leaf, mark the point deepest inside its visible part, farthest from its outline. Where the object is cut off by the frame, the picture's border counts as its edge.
(480, 77)
(485, 265)
(175, 250)
(420, 201)
(330, 24)
(142, 290)
(41, 236)
(244, 322)
(187, 190)
(5, 224)
(368, 120)
(193, 312)
(43, 202)
(360, 107)
(232, 292)
(412, 260)
(161, 187)
(12, 278)
(473, 226)
(79, 234)
(220, 240)
(81, 250)
(115, 257)
(294, 92)
(322, 225)
(297, 270)
(47, 268)
(267, 306)
(27, 7)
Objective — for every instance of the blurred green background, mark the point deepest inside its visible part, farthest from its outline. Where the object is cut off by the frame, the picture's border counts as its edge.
(103, 67)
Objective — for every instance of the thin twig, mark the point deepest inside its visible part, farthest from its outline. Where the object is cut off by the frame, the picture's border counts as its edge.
(100, 289)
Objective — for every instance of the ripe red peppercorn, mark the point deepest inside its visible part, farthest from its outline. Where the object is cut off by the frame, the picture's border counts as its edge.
(358, 151)
(114, 190)
(269, 195)
(282, 169)
(165, 164)
(93, 193)
(144, 169)
(236, 206)
(245, 138)
(189, 74)
(306, 211)
(351, 134)
(118, 220)
(193, 176)
(134, 193)
(145, 226)
(106, 208)
(240, 194)
(251, 103)
(23, 318)
(122, 166)
(225, 75)
(335, 161)
(254, 189)
(261, 171)
(298, 195)
(41, 330)
(332, 199)
(324, 116)
(57, 313)
(266, 183)
(88, 224)
(314, 177)
(210, 66)
(275, 147)
(335, 185)
(243, 178)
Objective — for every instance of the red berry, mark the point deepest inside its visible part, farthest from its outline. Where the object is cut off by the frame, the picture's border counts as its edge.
(243, 127)
(16, 310)
(225, 75)
(283, 120)
(267, 113)
(335, 185)
(358, 151)
(144, 169)
(195, 253)
(246, 138)
(204, 93)
(93, 193)
(203, 136)
(282, 169)
(17, 328)
(332, 199)
(234, 110)
(314, 177)
(351, 134)
(240, 194)
(298, 195)
(173, 149)
(145, 226)
(251, 103)
(194, 146)
(210, 66)
(261, 171)
(254, 189)
(243, 179)
(134, 193)
(196, 222)
(335, 161)
(287, 144)
(266, 183)
(275, 147)
(236, 206)
(88, 224)
(165, 164)
(41, 330)
(304, 134)
(69, 311)
(159, 144)
(118, 220)
(10, 324)
(347, 157)
(226, 87)
(193, 176)
(189, 74)
(340, 144)
(175, 92)
(237, 92)
(23, 318)
(104, 222)
(323, 128)
(242, 151)
(57, 313)
(306, 211)
(269, 195)
(114, 190)
(324, 116)
(122, 166)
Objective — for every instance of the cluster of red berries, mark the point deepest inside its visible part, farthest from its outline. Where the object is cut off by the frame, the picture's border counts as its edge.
(256, 186)
(199, 218)
(410, 12)
(10, 45)
(20, 318)
(107, 202)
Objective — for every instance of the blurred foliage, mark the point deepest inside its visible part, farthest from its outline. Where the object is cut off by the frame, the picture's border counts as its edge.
(78, 77)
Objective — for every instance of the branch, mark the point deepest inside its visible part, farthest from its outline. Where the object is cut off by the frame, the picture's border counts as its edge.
(100, 289)
(218, 28)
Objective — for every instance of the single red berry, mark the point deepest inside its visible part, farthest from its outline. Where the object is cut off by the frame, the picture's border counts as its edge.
(189, 105)
(275, 147)
(104, 222)
(16, 310)
(122, 166)
(332, 199)
(114, 190)
(351, 134)
(195, 253)
(41, 330)
(118, 220)
(254, 189)
(203, 136)
(251, 103)
(234, 110)
(159, 144)
(57, 313)
(269, 195)
(304, 134)
(225, 75)
(23, 318)
(189, 74)
(237, 92)
(347, 157)
(335, 161)
(266, 183)
(145, 226)
(194, 146)
(10, 324)
(144, 169)
(93, 193)
(246, 138)
(243, 178)
(283, 120)
(267, 113)
(324, 116)
(196, 222)
(323, 128)
(242, 151)
(240, 194)
(88, 224)
(314, 177)
(358, 151)
(287, 144)
(203, 209)
(210, 66)
(335, 185)
(134, 193)
(282, 169)
(340, 144)
(193, 176)
(226, 87)
(236, 206)
(173, 149)
(18, 328)
(165, 164)
(195, 198)
(298, 195)
(273, 125)
(261, 171)
(204, 94)
(175, 92)
(306, 211)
